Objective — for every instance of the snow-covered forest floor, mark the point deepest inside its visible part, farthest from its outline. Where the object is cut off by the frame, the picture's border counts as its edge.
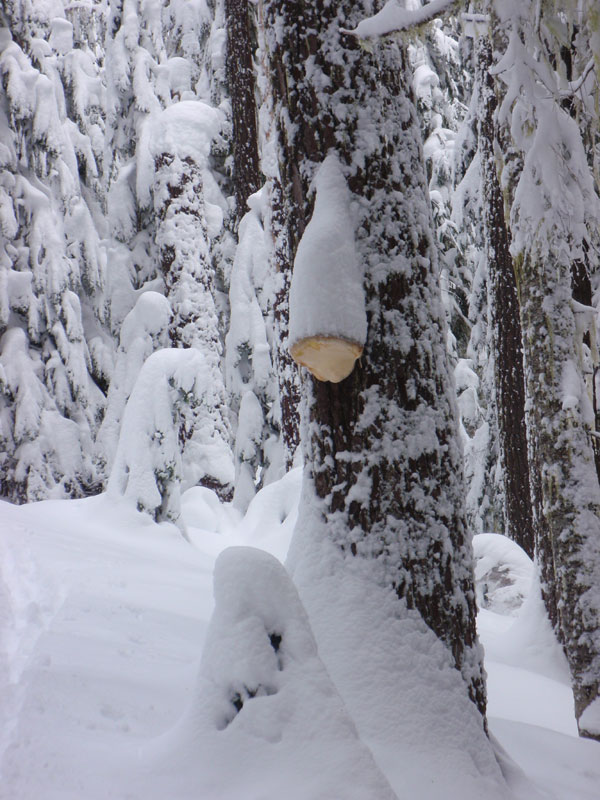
(104, 617)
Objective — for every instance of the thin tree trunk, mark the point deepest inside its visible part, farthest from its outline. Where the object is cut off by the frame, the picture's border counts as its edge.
(287, 374)
(240, 79)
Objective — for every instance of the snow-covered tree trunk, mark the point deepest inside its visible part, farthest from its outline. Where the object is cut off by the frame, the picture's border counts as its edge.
(279, 219)
(281, 266)
(553, 217)
(184, 254)
(505, 320)
(383, 464)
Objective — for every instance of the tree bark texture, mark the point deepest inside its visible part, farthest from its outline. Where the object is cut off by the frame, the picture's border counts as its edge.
(503, 302)
(549, 232)
(240, 79)
(287, 374)
(381, 447)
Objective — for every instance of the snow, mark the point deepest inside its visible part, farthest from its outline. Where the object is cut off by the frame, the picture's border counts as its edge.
(327, 258)
(186, 128)
(394, 16)
(590, 719)
(115, 674)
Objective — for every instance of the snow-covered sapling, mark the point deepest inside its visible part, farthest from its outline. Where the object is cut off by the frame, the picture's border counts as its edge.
(328, 321)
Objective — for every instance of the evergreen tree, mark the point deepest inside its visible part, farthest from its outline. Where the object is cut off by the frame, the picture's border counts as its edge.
(506, 340)
(383, 473)
(167, 212)
(54, 362)
(554, 220)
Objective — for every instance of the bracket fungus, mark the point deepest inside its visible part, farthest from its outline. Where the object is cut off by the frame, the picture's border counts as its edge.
(328, 321)
(328, 358)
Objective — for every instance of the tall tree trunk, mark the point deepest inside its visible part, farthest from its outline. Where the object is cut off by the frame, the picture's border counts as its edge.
(506, 324)
(380, 447)
(240, 79)
(184, 253)
(550, 230)
(287, 375)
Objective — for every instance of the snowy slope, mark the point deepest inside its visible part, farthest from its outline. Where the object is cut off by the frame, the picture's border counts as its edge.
(104, 616)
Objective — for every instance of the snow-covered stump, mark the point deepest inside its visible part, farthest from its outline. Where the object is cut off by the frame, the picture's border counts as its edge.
(169, 438)
(266, 719)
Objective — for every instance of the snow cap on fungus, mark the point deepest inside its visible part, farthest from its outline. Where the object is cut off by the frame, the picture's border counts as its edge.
(328, 321)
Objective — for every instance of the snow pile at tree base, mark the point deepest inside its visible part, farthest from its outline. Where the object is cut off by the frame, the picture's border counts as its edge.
(267, 722)
(396, 678)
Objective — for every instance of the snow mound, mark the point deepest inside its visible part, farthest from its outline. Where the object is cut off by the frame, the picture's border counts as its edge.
(267, 722)
(503, 573)
(396, 678)
(186, 128)
(508, 587)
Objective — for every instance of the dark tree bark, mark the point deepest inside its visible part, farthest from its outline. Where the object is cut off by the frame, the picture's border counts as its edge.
(287, 375)
(506, 324)
(380, 447)
(240, 79)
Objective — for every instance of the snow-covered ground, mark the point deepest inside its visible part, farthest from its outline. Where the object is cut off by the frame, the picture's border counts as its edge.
(103, 620)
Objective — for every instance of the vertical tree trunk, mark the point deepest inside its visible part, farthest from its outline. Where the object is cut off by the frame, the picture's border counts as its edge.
(184, 254)
(506, 324)
(240, 79)
(380, 447)
(550, 230)
(287, 375)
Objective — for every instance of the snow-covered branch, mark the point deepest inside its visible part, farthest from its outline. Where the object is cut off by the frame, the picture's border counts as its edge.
(395, 17)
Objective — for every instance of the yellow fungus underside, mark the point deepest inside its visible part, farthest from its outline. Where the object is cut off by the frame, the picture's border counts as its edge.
(327, 357)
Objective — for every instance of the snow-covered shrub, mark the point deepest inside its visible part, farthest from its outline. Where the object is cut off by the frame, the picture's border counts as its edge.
(478, 449)
(169, 440)
(51, 260)
(145, 329)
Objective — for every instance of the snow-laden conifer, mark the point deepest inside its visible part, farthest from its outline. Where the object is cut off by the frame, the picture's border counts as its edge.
(53, 268)
(554, 213)
(167, 210)
(168, 440)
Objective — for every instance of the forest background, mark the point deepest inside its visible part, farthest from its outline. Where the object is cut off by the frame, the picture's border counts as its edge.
(172, 177)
